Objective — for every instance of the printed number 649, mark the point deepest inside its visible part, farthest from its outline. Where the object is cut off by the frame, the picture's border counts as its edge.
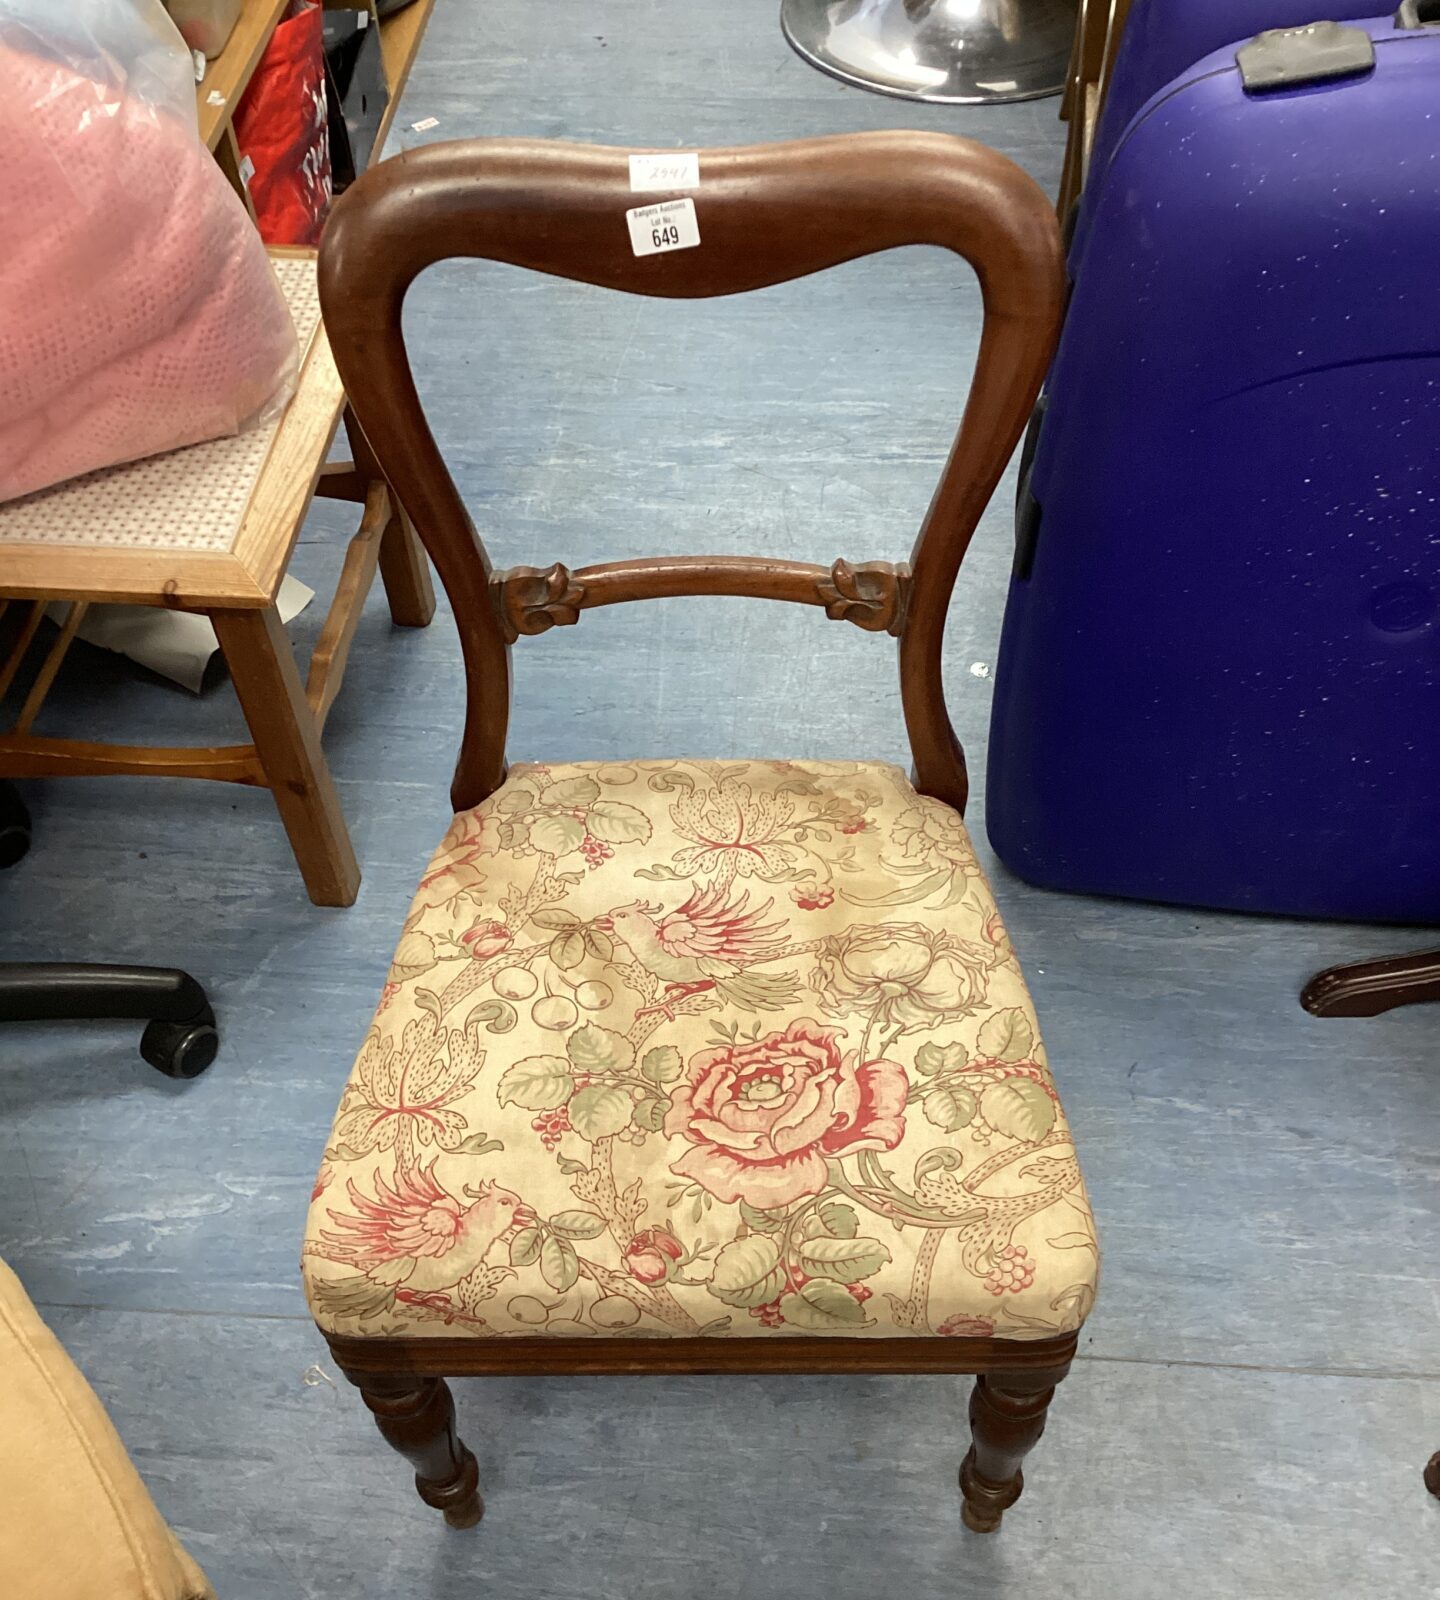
(667, 234)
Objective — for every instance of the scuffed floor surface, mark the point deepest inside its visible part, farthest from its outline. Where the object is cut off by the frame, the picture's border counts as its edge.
(1257, 1391)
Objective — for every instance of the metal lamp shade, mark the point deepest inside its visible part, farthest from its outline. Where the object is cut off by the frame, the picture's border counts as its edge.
(963, 52)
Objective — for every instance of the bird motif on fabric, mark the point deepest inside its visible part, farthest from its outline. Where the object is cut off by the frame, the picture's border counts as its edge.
(709, 943)
(414, 1241)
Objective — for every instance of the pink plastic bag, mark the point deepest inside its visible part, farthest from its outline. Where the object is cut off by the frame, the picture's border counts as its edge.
(138, 310)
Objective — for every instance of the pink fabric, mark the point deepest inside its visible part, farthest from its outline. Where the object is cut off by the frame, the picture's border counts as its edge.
(138, 311)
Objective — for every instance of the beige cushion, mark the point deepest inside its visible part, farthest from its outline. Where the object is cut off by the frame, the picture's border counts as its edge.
(683, 1047)
(75, 1520)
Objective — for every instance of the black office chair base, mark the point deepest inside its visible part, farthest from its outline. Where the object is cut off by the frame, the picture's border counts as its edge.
(180, 1037)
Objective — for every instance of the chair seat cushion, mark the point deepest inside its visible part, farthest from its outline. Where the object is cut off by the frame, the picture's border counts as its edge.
(698, 1048)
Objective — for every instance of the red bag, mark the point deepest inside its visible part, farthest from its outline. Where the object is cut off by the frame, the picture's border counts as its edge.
(282, 128)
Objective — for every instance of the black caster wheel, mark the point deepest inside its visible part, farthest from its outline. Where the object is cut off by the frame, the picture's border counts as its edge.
(181, 1049)
(14, 827)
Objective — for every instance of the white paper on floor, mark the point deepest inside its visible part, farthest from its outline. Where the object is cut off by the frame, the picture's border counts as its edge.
(179, 645)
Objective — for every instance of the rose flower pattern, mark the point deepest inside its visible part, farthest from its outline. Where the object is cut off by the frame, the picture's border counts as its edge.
(764, 1116)
(702, 1049)
(906, 975)
(651, 1256)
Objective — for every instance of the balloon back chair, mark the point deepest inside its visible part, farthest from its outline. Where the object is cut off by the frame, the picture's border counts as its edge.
(687, 1065)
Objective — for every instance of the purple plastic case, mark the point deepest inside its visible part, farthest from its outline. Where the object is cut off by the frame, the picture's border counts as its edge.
(1219, 676)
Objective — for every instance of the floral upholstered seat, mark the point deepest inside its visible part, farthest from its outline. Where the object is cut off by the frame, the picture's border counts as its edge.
(697, 1048)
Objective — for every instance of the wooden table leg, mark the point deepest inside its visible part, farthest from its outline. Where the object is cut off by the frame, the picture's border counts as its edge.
(287, 741)
(405, 572)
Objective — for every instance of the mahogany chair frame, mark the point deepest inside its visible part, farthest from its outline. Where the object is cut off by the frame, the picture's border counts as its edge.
(766, 214)
(1371, 988)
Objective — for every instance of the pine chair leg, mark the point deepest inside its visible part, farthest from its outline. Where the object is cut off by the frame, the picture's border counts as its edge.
(404, 566)
(1007, 1417)
(287, 740)
(405, 572)
(416, 1416)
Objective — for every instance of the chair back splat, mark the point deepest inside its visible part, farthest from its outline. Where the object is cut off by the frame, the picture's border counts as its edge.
(560, 209)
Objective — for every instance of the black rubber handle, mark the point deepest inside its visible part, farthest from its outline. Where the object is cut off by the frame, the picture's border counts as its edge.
(1418, 14)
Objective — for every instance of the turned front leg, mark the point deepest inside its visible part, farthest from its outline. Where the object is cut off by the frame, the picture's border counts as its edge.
(1007, 1417)
(416, 1416)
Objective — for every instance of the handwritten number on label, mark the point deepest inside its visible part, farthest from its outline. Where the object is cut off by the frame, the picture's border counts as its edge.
(678, 169)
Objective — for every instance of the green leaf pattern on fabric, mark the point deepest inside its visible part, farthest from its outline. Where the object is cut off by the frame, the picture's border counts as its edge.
(673, 1048)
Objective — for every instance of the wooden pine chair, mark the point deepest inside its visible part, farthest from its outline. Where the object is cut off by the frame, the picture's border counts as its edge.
(691, 1066)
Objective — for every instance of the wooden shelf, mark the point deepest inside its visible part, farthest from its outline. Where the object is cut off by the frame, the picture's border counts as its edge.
(229, 73)
(400, 39)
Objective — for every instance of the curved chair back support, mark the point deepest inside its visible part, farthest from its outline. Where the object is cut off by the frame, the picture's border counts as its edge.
(766, 214)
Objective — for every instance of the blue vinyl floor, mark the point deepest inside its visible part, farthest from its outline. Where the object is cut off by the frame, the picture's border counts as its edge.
(1257, 1391)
